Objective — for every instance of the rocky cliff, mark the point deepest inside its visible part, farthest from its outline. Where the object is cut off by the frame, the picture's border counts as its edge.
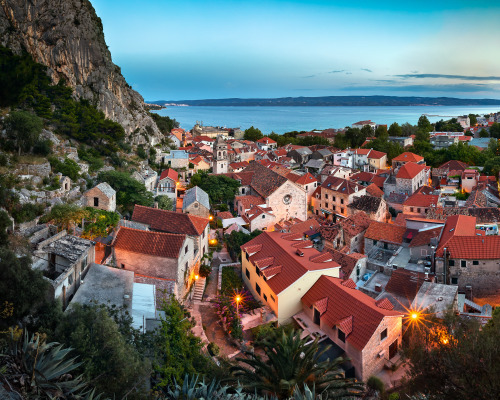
(67, 36)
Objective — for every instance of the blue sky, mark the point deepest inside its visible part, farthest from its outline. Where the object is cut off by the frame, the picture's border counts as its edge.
(190, 49)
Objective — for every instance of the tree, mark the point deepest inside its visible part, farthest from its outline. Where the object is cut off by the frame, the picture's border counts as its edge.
(5, 224)
(473, 119)
(381, 131)
(484, 133)
(290, 363)
(355, 137)
(424, 124)
(367, 131)
(495, 130)
(253, 134)
(20, 285)
(23, 128)
(180, 350)
(68, 167)
(128, 191)
(220, 188)
(408, 129)
(165, 203)
(237, 239)
(440, 352)
(111, 363)
(395, 130)
(64, 216)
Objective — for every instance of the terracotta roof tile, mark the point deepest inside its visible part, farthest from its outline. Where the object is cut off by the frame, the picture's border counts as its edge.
(385, 232)
(368, 204)
(169, 173)
(156, 244)
(354, 312)
(408, 157)
(424, 237)
(293, 266)
(169, 221)
(405, 283)
(249, 201)
(347, 261)
(474, 247)
(421, 200)
(385, 304)
(264, 181)
(409, 170)
(355, 224)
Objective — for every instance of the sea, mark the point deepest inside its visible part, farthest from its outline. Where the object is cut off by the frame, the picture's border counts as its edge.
(286, 119)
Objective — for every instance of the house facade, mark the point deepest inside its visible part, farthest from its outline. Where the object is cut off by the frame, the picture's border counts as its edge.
(167, 184)
(279, 268)
(369, 331)
(102, 197)
(196, 202)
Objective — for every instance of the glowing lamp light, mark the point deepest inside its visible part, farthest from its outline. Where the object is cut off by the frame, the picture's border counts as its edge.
(445, 341)
(196, 277)
(414, 315)
(211, 217)
(238, 299)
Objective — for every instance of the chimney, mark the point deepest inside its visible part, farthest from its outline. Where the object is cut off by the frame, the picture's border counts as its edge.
(378, 287)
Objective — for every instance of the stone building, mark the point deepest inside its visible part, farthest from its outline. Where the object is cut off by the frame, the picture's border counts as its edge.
(64, 260)
(102, 196)
(368, 331)
(147, 177)
(221, 159)
(167, 184)
(408, 178)
(334, 195)
(161, 256)
(374, 207)
(196, 202)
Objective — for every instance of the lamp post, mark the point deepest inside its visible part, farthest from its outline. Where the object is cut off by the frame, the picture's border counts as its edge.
(238, 299)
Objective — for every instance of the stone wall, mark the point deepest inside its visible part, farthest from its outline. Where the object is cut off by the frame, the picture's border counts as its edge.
(43, 170)
(297, 207)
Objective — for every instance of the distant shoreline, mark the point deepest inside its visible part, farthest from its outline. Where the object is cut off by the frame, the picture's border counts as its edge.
(332, 101)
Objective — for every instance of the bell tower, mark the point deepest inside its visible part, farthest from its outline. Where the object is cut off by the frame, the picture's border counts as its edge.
(221, 160)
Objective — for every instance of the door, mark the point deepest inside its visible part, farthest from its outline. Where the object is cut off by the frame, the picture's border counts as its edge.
(316, 319)
(393, 349)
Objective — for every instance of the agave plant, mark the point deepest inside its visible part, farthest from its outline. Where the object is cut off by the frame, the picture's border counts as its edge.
(43, 370)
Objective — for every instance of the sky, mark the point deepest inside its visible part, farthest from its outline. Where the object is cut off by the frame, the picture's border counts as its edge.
(204, 49)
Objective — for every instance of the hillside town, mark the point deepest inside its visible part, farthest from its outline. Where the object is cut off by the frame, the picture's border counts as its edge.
(349, 246)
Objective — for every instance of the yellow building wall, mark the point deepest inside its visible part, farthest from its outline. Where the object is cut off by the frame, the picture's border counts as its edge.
(288, 302)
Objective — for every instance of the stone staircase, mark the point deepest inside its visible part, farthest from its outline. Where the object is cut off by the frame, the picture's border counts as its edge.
(199, 288)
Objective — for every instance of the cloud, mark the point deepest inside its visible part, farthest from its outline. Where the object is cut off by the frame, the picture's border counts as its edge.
(445, 76)
(366, 70)
(348, 73)
(336, 71)
(449, 88)
(308, 76)
(385, 80)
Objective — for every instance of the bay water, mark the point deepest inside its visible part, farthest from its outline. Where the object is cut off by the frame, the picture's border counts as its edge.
(285, 119)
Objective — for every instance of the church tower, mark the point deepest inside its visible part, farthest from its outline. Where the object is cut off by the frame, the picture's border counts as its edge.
(221, 160)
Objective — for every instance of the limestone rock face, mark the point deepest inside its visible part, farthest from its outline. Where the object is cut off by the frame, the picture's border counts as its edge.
(67, 37)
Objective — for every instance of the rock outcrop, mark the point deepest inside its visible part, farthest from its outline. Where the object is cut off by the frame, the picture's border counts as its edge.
(67, 36)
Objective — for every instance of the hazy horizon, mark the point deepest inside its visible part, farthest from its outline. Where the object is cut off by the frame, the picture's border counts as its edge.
(265, 49)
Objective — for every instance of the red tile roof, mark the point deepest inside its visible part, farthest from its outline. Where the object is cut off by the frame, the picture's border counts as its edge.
(224, 215)
(374, 190)
(264, 181)
(249, 201)
(408, 157)
(424, 237)
(474, 247)
(405, 283)
(169, 221)
(169, 173)
(266, 140)
(347, 261)
(302, 179)
(421, 200)
(340, 185)
(354, 312)
(156, 244)
(280, 247)
(456, 225)
(385, 232)
(409, 170)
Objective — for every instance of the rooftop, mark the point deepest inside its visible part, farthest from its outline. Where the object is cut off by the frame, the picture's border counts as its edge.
(159, 244)
(195, 194)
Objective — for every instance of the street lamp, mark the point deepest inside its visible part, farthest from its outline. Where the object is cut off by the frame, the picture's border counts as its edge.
(238, 299)
(196, 277)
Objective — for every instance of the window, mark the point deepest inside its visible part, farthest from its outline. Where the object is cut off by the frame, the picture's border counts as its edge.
(122, 266)
(342, 211)
(374, 242)
(454, 281)
(265, 297)
(247, 256)
(70, 279)
(326, 195)
(341, 335)
(411, 209)
(247, 273)
(96, 201)
(326, 205)
(418, 209)
(463, 263)
(264, 216)
(186, 249)
(451, 263)
(333, 198)
(272, 298)
(341, 201)
(186, 267)
(242, 190)
(84, 263)
(383, 334)
(475, 262)
(257, 288)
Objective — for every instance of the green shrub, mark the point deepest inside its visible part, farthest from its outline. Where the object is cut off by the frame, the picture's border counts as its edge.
(43, 147)
(205, 270)
(213, 349)
(26, 212)
(141, 152)
(375, 384)
(231, 282)
(394, 396)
